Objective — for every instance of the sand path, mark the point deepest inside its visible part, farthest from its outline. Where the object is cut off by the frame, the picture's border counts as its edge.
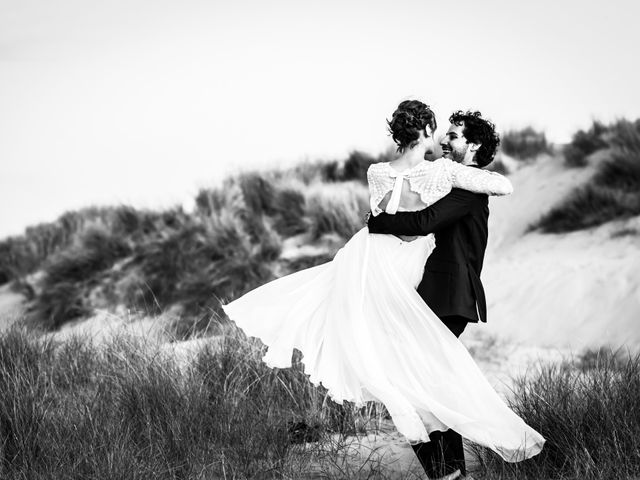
(11, 307)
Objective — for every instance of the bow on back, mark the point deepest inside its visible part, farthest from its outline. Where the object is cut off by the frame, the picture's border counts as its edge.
(394, 201)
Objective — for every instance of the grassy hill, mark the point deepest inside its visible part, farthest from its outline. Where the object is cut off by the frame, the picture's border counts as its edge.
(261, 225)
(239, 236)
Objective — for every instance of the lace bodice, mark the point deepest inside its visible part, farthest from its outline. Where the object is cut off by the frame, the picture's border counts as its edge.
(431, 181)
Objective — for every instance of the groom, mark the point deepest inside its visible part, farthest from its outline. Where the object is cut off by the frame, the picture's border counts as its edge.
(451, 284)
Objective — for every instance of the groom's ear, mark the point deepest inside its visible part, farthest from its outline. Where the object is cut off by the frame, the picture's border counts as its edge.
(474, 146)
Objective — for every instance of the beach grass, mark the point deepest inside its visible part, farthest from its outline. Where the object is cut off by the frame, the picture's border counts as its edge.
(584, 143)
(524, 144)
(139, 260)
(587, 410)
(131, 408)
(613, 193)
(127, 408)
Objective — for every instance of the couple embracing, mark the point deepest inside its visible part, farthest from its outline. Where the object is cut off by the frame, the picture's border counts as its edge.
(381, 321)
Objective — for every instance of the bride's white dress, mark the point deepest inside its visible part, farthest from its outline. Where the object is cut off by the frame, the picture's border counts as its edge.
(366, 334)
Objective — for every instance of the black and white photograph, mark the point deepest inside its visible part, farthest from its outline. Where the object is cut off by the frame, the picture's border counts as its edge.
(302, 240)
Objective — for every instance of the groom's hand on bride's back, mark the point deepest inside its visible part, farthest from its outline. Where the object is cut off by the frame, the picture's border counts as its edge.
(442, 214)
(373, 222)
(367, 217)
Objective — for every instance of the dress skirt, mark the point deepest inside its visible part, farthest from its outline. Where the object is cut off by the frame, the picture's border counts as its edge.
(366, 334)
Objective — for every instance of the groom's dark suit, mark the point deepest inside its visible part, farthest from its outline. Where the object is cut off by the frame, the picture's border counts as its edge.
(451, 283)
(451, 287)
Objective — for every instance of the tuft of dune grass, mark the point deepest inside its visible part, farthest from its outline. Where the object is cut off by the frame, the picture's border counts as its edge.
(336, 210)
(69, 274)
(21, 255)
(588, 207)
(198, 265)
(587, 410)
(584, 143)
(524, 144)
(613, 192)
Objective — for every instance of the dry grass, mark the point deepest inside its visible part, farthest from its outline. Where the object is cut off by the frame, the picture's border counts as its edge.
(189, 263)
(614, 191)
(586, 409)
(126, 409)
(524, 144)
(584, 143)
(336, 210)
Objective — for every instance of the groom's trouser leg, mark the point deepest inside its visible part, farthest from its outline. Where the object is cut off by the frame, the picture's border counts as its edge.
(444, 454)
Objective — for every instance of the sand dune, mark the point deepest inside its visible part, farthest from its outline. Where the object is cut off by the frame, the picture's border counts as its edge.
(567, 291)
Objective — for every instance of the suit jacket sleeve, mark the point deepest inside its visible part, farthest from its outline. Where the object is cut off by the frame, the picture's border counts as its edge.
(438, 216)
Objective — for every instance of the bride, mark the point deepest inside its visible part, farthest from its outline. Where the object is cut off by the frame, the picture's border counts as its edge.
(365, 332)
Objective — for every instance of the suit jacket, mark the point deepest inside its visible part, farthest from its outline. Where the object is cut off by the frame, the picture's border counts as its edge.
(451, 283)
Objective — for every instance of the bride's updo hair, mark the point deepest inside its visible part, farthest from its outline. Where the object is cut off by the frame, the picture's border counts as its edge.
(410, 118)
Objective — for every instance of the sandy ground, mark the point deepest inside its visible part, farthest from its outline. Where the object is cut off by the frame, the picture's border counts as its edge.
(11, 307)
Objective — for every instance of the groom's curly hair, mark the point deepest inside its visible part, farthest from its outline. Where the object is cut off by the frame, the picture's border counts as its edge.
(411, 117)
(478, 130)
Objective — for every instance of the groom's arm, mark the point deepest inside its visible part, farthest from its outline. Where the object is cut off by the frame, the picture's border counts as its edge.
(441, 214)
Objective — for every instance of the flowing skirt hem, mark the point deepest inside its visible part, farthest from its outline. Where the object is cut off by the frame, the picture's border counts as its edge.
(511, 455)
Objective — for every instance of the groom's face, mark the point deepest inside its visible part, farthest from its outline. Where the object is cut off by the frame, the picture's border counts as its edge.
(455, 147)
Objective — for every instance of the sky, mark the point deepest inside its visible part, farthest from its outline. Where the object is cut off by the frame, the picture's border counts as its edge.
(144, 102)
